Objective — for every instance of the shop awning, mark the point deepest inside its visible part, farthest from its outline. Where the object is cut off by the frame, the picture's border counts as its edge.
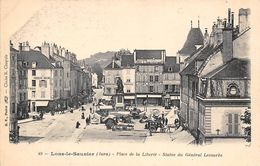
(129, 97)
(42, 103)
(141, 96)
(106, 98)
(175, 97)
(154, 96)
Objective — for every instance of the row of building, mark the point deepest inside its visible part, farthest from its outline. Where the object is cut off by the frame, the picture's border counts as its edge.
(46, 78)
(209, 77)
(147, 75)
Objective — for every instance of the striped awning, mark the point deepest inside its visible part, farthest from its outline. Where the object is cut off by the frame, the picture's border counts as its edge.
(129, 97)
(154, 96)
(175, 97)
(141, 96)
(41, 103)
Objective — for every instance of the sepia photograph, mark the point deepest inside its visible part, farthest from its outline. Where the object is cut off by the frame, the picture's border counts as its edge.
(160, 79)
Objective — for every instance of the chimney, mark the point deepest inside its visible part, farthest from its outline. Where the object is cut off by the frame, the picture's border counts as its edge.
(20, 47)
(232, 20)
(113, 64)
(229, 15)
(227, 51)
(225, 22)
(11, 44)
(45, 49)
(243, 20)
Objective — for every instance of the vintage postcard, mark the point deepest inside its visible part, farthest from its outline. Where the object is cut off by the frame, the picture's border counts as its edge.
(142, 82)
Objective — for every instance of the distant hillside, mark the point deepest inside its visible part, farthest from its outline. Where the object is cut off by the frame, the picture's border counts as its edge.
(102, 58)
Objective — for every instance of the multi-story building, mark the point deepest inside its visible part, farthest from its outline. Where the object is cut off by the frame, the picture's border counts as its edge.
(44, 79)
(111, 73)
(215, 85)
(128, 78)
(171, 82)
(13, 77)
(149, 76)
(22, 95)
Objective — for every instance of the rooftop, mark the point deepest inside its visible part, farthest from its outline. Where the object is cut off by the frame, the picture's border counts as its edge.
(35, 56)
(170, 65)
(112, 65)
(195, 37)
(236, 68)
(149, 54)
(127, 60)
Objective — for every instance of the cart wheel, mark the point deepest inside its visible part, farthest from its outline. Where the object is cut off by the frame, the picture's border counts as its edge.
(153, 129)
(110, 123)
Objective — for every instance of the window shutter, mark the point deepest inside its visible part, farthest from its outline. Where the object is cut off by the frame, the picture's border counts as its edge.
(229, 124)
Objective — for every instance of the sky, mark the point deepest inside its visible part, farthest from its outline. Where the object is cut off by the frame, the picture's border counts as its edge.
(86, 27)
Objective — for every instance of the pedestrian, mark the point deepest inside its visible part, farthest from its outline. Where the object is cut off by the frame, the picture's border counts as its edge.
(166, 121)
(77, 124)
(82, 115)
(177, 125)
(163, 120)
(87, 121)
(89, 118)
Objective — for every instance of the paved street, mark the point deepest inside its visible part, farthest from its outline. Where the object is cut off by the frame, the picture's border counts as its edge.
(61, 128)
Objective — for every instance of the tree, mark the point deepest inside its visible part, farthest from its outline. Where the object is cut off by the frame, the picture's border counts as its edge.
(246, 119)
(121, 52)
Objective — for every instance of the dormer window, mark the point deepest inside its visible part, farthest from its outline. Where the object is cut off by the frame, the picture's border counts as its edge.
(34, 64)
(25, 64)
(233, 90)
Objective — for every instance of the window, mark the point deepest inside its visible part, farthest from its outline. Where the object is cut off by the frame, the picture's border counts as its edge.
(156, 68)
(233, 124)
(43, 83)
(34, 64)
(55, 94)
(128, 90)
(156, 78)
(42, 94)
(24, 96)
(137, 68)
(170, 69)
(176, 88)
(55, 83)
(151, 89)
(68, 75)
(108, 90)
(25, 64)
(20, 84)
(120, 99)
(33, 94)
(33, 82)
(13, 107)
(128, 80)
(151, 78)
(33, 72)
(55, 72)
(21, 96)
(193, 89)
(233, 90)
(166, 87)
